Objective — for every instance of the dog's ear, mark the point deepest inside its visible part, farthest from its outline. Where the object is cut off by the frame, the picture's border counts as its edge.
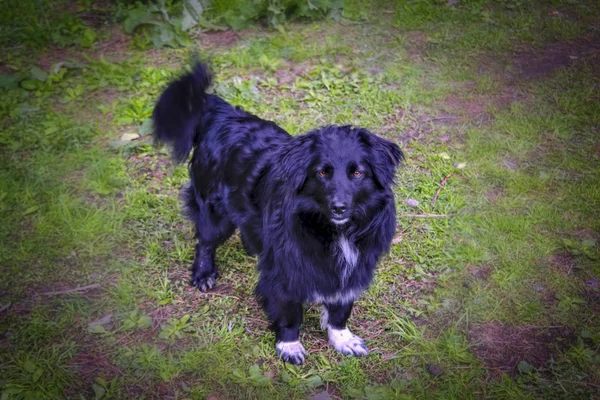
(295, 159)
(384, 156)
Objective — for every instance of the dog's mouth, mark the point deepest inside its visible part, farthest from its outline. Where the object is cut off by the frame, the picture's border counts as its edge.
(339, 221)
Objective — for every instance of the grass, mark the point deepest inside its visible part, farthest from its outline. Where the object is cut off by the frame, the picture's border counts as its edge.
(491, 291)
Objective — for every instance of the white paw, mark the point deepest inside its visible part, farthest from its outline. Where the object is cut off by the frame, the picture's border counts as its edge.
(347, 343)
(291, 352)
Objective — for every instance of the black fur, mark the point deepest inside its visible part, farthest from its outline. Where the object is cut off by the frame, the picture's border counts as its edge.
(294, 200)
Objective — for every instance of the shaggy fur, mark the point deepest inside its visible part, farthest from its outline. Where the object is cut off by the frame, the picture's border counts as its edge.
(318, 209)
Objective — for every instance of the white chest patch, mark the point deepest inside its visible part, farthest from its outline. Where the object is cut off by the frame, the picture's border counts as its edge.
(350, 255)
(348, 251)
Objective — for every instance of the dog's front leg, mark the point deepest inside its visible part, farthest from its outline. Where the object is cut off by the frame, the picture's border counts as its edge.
(286, 318)
(334, 319)
(204, 272)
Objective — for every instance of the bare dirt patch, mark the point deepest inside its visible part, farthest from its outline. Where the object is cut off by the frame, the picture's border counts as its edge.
(221, 39)
(481, 272)
(476, 107)
(416, 44)
(116, 48)
(502, 347)
(288, 73)
(537, 63)
(564, 262)
(493, 195)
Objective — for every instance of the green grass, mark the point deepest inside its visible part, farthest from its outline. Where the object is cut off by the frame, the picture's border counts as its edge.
(512, 238)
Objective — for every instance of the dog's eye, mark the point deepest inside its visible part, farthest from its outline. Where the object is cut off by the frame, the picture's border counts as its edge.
(322, 173)
(357, 174)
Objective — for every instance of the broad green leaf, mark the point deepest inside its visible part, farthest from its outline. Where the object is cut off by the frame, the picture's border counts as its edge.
(314, 381)
(30, 210)
(38, 74)
(128, 324)
(146, 127)
(88, 37)
(139, 16)
(165, 301)
(99, 391)
(97, 329)
(188, 21)
(37, 374)
(144, 322)
(9, 82)
(29, 84)
(66, 64)
(162, 35)
(29, 366)
(195, 7)
(165, 334)
(524, 367)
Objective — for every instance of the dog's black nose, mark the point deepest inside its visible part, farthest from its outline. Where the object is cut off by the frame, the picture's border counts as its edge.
(338, 208)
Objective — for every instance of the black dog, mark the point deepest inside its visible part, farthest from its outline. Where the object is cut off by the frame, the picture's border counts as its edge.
(318, 209)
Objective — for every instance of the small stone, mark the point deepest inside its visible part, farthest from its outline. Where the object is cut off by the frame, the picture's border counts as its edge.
(412, 202)
(269, 374)
(511, 164)
(129, 136)
(434, 370)
(321, 396)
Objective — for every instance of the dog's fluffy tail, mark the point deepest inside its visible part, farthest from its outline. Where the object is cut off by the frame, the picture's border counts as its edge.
(179, 110)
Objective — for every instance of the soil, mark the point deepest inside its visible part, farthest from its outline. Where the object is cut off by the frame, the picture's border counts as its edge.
(481, 272)
(220, 40)
(502, 347)
(537, 63)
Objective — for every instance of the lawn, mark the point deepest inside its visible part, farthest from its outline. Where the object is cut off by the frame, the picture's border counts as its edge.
(491, 289)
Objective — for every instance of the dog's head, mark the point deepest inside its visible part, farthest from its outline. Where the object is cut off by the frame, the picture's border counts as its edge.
(341, 172)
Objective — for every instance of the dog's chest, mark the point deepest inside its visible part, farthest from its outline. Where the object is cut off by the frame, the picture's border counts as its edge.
(348, 255)
(347, 251)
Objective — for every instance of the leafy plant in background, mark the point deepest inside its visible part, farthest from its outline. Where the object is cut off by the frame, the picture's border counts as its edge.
(70, 30)
(35, 129)
(35, 23)
(163, 22)
(136, 321)
(582, 356)
(137, 111)
(239, 14)
(175, 328)
(167, 22)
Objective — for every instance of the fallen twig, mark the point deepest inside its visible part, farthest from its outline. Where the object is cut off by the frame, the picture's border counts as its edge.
(307, 76)
(104, 320)
(442, 184)
(74, 290)
(443, 117)
(424, 216)
(218, 294)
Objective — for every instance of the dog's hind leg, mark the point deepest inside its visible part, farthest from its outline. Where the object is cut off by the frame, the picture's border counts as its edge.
(213, 228)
